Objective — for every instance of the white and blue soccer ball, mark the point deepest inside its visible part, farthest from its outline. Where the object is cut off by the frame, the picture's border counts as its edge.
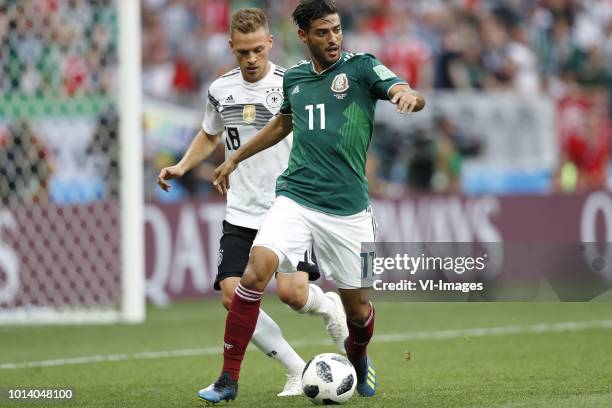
(329, 379)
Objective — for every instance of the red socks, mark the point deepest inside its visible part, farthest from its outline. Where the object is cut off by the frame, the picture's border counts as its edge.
(359, 337)
(242, 319)
(239, 326)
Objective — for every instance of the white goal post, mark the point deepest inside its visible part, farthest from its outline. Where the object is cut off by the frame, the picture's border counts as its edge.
(132, 192)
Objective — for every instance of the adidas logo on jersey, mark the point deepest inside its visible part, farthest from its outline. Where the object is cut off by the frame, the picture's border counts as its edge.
(229, 99)
(296, 90)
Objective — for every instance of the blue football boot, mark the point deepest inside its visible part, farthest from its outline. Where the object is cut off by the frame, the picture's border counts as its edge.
(366, 376)
(225, 388)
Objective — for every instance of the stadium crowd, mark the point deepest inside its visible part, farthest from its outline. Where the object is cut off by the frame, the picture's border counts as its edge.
(57, 48)
(68, 49)
(526, 45)
(532, 47)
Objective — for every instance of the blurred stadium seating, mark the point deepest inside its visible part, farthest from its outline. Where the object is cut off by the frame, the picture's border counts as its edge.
(61, 55)
(559, 51)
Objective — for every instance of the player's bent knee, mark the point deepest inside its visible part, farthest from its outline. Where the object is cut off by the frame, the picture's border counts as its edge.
(358, 313)
(228, 286)
(226, 301)
(292, 289)
(284, 294)
(291, 297)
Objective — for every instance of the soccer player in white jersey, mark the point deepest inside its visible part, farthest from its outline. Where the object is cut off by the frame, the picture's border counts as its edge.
(240, 103)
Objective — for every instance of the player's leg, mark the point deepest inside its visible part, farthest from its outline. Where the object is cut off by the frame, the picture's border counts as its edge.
(295, 290)
(339, 241)
(234, 249)
(240, 323)
(271, 250)
(360, 320)
(268, 338)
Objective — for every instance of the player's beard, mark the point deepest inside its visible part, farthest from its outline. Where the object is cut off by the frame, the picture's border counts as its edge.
(320, 56)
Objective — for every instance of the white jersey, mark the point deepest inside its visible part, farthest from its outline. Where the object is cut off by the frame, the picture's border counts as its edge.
(240, 109)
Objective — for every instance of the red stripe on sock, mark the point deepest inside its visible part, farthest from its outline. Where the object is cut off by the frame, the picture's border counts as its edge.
(359, 337)
(239, 327)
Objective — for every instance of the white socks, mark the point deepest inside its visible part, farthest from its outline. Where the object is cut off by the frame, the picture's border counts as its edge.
(269, 339)
(317, 303)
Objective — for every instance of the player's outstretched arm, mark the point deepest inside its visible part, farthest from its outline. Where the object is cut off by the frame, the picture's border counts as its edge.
(407, 99)
(201, 147)
(275, 131)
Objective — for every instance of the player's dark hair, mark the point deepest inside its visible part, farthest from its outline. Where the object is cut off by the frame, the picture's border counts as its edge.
(310, 10)
(248, 20)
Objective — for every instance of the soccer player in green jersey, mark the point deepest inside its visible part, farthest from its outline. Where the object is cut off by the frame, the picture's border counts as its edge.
(322, 197)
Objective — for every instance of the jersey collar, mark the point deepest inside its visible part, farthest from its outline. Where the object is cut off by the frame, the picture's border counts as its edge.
(335, 64)
(267, 76)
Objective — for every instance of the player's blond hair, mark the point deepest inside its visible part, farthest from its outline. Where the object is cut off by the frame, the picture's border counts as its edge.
(248, 20)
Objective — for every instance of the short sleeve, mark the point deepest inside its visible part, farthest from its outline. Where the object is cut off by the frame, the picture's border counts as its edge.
(213, 122)
(285, 108)
(378, 78)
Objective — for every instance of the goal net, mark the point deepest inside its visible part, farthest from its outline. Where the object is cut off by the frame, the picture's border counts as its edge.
(70, 162)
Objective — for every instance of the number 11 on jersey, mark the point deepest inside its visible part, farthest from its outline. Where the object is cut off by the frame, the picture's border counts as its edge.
(310, 109)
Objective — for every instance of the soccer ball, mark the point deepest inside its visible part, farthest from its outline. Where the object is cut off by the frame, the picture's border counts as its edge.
(329, 379)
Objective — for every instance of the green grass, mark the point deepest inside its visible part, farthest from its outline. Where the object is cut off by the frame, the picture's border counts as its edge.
(548, 369)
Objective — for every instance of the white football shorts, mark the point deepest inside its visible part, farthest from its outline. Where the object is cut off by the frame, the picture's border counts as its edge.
(289, 229)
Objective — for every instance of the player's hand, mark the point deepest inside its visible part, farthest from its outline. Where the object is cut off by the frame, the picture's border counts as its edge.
(222, 173)
(406, 101)
(168, 173)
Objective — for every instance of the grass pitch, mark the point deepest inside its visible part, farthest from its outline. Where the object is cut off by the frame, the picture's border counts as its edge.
(426, 355)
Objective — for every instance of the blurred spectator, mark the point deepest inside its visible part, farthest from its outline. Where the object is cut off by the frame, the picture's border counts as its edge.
(585, 140)
(422, 162)
(26, 165)
(448, 157)
(104, 150)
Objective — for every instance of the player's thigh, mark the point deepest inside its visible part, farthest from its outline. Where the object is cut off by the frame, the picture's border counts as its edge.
(228, 287)
(338, 243)
(234, 249)
(285, 232)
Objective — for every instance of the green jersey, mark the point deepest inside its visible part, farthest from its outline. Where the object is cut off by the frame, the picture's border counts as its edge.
(333, 116)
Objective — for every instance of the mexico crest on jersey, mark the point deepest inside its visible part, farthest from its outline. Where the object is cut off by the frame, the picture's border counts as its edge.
(340, 83)
(249, 114)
